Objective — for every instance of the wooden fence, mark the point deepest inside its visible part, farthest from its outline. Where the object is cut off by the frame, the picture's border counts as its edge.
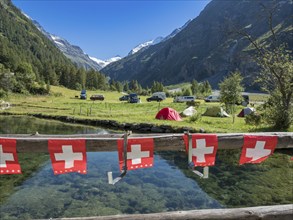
(163, 142)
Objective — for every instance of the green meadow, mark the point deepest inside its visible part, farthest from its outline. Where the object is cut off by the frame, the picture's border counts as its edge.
(66, 102)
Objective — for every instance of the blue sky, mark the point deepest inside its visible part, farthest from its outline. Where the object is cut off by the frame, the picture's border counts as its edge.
(104, 29)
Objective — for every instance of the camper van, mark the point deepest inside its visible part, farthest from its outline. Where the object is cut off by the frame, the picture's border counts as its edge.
(184, 98)
(212, 98)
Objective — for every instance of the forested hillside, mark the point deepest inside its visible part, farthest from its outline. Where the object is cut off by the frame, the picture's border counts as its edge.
(28, 59)
(210, 47)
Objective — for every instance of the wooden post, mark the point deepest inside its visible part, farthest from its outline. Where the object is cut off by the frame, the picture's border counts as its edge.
(206, 172)
(125, 142)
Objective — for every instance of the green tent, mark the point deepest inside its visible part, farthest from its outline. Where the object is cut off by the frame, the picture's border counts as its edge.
(215, 111)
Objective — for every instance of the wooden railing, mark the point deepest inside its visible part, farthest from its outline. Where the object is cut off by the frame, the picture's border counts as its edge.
(163, 142)
(277, 212)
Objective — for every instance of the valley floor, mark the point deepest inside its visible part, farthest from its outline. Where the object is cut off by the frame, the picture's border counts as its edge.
(64, 102)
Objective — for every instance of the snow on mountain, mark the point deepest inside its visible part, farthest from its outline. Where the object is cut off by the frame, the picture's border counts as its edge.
(140, 46)
(145, 45)
(157, 40)
(104, 63)
(58, 40)
(176, 31)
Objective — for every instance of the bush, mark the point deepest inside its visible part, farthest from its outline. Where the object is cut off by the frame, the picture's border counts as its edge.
(195, 118)
(276, 114)
(3, 94)
(38, 90)
(253, 119)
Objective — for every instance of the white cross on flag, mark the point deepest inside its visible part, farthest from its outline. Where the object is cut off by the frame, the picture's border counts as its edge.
(8, 157)
(68, 156)
(204, 149)
(140, 153)
(257, 148)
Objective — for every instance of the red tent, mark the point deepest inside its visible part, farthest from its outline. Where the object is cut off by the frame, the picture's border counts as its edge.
(168, 114)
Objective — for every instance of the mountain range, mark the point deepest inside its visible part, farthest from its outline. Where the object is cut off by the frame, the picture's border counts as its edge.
(75, 53)
(81, 59)
(209, 48)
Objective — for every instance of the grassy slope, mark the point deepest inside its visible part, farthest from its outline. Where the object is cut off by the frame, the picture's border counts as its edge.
(63, 102)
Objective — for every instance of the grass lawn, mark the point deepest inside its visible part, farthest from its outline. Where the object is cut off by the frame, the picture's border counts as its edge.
(63, 101)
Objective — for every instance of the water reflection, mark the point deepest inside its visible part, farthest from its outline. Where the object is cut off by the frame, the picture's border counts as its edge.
(166, 187)
(162, 188)
(29, 125)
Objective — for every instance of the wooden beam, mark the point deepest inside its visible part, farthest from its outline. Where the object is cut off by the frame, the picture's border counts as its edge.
(284, 212)
(163, 142)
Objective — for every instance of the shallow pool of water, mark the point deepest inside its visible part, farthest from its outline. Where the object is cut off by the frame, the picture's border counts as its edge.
(158, 189)
(168, 186)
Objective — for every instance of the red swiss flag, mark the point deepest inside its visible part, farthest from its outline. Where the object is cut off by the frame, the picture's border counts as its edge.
(68, 156)
(204, 149)
(8, 157)
(257, 148)
(140, 153)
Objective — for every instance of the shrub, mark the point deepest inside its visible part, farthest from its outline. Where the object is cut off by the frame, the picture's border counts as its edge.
(3, 94)
(195, 118)
(38, 90)
(253, 119)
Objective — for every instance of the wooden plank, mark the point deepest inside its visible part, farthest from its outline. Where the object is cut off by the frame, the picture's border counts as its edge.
(281, 212)
(163, 142)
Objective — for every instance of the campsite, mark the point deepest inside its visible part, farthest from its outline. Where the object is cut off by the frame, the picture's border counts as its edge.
(62, 102)
(146, 109)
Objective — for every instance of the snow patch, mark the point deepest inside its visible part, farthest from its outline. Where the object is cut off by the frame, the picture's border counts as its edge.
(104, 63)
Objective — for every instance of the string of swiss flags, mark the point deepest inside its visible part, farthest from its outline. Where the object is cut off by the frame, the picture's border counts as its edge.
(69, 155)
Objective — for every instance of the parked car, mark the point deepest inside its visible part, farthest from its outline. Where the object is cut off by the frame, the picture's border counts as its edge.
(97, 97)
(133, 98)
(83, 94)
(157, 96)
(184, 98)
(124, 98)
(212, 98)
